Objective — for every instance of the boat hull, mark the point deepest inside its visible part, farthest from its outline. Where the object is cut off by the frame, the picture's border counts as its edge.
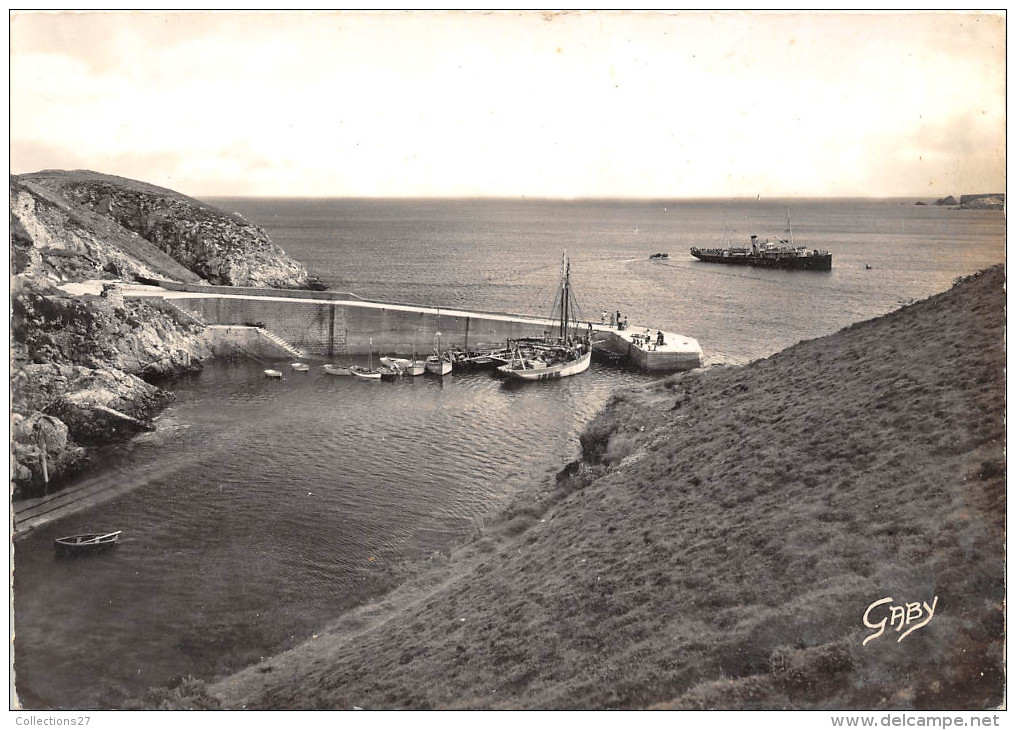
(337, 370)
(417, 367)
(813, 262)
(358, 372)
(273, 374)
(442, 367)
(563, 370)
(86, 544)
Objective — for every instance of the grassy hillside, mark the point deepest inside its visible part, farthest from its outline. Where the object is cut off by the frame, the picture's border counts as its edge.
(718, 544)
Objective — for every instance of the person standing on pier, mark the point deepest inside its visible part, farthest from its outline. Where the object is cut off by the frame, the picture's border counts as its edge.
(619, 319)
(603, 317)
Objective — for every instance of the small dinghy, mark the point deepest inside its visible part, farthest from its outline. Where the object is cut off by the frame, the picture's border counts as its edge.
(337, 369)
(362, 372)
(300, 367)
(82, 544)
(273, 374)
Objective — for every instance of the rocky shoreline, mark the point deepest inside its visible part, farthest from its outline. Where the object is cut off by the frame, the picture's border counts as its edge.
(86, 370)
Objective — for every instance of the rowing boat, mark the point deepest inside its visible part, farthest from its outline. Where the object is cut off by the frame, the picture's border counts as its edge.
(89, 543)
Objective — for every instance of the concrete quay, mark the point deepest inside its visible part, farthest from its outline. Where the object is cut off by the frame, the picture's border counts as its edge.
(324, 325)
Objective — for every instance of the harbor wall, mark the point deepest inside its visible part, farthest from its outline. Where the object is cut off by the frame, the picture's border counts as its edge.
(326, 329)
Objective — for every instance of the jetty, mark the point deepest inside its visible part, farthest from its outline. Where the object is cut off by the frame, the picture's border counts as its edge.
(285, 323)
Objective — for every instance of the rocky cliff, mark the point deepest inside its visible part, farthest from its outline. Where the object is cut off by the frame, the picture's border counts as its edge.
(85, 368)
(989, 201)
(221, 247)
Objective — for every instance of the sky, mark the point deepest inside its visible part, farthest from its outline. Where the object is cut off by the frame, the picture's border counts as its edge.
(594, 104)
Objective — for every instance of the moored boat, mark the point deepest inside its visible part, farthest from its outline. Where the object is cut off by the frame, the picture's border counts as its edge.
(369, 372)
(550, 358)
(358, 371)
(542, 362)
(89, 543)
(300, 367)
(337, 369)
(440, 363)
(273, 374)
(416, 367)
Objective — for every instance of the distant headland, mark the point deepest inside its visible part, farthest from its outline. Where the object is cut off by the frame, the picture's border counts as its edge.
(981, 201)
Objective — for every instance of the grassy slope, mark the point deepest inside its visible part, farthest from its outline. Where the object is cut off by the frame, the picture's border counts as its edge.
(719, 544)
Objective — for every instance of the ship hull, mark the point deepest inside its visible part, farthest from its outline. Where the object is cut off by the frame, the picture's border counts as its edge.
(573, 367)
(819, 262)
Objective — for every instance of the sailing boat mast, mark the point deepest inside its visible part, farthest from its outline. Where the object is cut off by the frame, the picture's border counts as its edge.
(565, 295)
(790, 228)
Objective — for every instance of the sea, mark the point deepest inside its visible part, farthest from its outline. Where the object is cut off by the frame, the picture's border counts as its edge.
(259, 510)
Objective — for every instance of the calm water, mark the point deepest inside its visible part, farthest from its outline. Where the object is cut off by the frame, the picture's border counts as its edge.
(263, 508)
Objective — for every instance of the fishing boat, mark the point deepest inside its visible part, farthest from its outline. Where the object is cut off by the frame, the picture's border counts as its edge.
(337, 369)
(439, 363)
(273, 374)
(300, 367)
(659, 255)
(369, 372)
(781, 253)
(90, 543)
(548, 358)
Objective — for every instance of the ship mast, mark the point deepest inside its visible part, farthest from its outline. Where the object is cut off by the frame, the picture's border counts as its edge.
(565, 295)
(790, 228)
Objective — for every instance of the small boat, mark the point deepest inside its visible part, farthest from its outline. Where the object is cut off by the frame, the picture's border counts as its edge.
(416, 367)
(300, 367)
(438, 363)
(337, 369)
(659, 256)
(358, 371)
(273, 374)
(91, 543)
(390, 373)
(369, 372)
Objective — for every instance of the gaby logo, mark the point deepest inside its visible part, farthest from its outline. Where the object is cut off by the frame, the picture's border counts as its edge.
(911, 615)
